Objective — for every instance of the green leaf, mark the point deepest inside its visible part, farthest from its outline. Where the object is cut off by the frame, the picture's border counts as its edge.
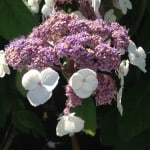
(87, 111)
(5, 103)
(108, 130)
(139, 142)
(136, 103)
(27, 121)
(16, 19)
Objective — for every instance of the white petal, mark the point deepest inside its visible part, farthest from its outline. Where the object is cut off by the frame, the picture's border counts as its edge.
(31, 79)
(124, 67)
(141, 52)
(60, 129)
(109, 16)
(83, 93)
(46, 10)
(49, 3)
(6, 69)
(120, 108)
(2, 57)
(93, 81)
(141, 64)
(78, 124)
(124, 10)
(132, 58)
(38, 96)
(96, 5)
(137, 61)
(122, 51)
(132, 47)
(128, 4)
(76, 81)
(85, 72)
(116, 4)
(49, 78)
(87, 87)
(119, 97)
(2, 72)
(35, 8)
(31, 2)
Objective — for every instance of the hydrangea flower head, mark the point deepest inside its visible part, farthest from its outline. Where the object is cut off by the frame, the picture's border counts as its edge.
(40, 85)
(69, 124)
(83, 82)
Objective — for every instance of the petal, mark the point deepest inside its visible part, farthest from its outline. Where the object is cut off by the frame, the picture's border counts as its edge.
(93, 81)
(87, 87)
(109, 16)
(96, 5)
(35, 8)
(124, 67)
(2, 57)
(128, 4)
(132, 58)
(141, 52)
(31, 79)
(76, 81)
(49, 78)
(141, 64)
(132, 47)
(120, 108)
(122, 51)
(6, 69)
(49, 3)
(31, 2)
(2, 72)
(83, 93)
(116, 4)
(119, 97)
(85, 72)
(78, 123)
(46, 10)
(60, 128)
(38, 96)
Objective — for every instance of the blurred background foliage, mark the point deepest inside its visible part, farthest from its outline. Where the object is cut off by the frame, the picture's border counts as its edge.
(24, 127)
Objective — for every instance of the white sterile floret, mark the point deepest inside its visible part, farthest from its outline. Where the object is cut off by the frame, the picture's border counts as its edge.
(124, 68)
(84, 82)
(119, 97)
(4, 69)
(34, 5)
(137, 56)
(109, 16)
(123, 5)
(40, 85)
(96, 5)
(48, 8)
(69, 124)
(122, 72)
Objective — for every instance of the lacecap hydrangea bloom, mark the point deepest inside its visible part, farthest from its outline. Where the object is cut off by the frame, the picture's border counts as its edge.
(87, 52)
